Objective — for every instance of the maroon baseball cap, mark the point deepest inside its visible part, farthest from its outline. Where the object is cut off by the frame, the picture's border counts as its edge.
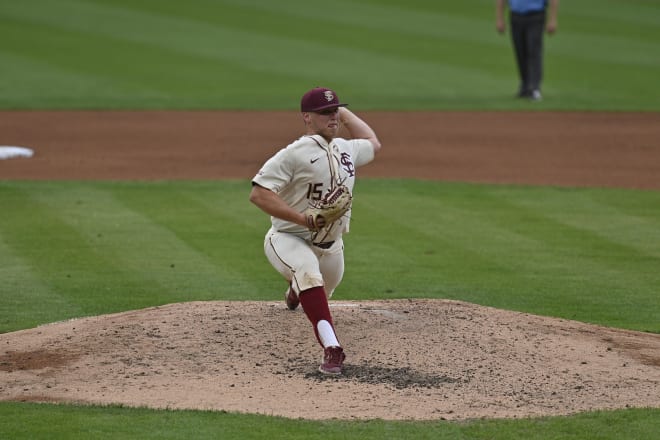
(319, 98)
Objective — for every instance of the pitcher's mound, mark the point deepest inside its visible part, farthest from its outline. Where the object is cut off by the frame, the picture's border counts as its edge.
(406, 359)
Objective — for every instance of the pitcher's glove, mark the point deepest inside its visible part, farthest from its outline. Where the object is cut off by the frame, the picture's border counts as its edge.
(329, 209)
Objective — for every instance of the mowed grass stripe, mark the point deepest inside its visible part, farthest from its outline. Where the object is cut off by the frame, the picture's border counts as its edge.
(21, 287)
(170, 269)
(46, 232)
(636, 17)
(56, 254)
(574, 263)
(629, 218)
(129, 67)
(448, 251)
(144, 57)
(232, 243)
(41, 45)
(177, 33)
(258, 51)
(46, 84)
(431, 260)
(257, 39)
(582, 25)
(97, 255)
(585, 47)
(491, 249)
(540, 250)
(245, 55)
(400, 28)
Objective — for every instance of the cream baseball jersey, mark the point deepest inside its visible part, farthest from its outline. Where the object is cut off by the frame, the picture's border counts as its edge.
(306, 170)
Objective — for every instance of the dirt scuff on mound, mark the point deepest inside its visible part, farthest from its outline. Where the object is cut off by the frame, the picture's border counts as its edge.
(406, 359)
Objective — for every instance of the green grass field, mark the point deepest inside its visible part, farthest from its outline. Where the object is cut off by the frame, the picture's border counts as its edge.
(72, 249)
(75, 249)
(383, 54)
(116, 423)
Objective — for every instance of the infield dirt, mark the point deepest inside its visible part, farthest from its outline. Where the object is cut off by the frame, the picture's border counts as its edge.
(407, 359)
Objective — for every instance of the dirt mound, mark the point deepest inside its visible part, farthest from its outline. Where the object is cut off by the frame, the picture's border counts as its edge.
(407, 359)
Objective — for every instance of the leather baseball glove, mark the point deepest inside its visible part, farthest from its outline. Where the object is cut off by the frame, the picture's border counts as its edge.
(329, 209)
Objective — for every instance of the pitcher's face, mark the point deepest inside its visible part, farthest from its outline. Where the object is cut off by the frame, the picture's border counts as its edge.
(324, 123)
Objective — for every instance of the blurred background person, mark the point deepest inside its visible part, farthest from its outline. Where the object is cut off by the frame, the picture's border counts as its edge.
(528, 19)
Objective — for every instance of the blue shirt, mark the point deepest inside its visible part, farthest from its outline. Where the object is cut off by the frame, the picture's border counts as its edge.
(527, 6)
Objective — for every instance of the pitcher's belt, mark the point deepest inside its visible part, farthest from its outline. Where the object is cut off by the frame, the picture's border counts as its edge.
(324, 244)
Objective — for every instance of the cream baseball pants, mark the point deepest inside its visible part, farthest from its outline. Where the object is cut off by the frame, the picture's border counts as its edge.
(303, 264)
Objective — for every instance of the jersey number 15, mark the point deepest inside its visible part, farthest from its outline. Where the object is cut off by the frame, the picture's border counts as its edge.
(314, 191)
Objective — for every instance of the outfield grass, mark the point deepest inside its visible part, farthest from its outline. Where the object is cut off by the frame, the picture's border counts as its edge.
(380, 54)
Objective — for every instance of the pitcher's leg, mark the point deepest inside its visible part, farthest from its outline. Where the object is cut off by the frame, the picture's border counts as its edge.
(315, 305)
(299, 264)
(294, 260)
(332, 267)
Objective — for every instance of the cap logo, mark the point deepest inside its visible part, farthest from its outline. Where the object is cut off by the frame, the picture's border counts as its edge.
(328, 95)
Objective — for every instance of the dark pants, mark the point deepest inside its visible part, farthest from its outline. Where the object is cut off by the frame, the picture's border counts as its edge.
(527, 36)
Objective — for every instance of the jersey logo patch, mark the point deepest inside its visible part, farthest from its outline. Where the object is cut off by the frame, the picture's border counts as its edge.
(314, 160)
(348, 164)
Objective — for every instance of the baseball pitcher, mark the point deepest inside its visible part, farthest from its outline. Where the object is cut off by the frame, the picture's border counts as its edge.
(307, 188)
